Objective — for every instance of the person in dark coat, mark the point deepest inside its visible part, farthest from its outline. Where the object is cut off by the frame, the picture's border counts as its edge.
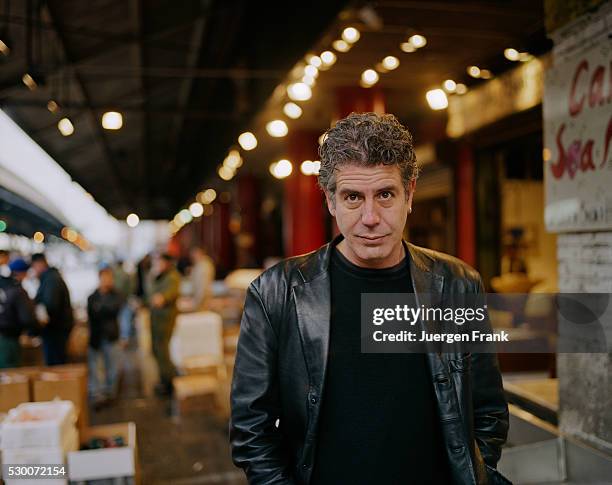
(16, 314)
(103, 307)
(53, 300)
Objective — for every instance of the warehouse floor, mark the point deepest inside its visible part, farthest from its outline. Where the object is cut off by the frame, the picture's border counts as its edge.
(174, 450)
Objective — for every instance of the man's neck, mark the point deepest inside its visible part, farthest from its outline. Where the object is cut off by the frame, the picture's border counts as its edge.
(397, 256)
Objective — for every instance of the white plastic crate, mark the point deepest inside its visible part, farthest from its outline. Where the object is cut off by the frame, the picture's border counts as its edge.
(39, 425)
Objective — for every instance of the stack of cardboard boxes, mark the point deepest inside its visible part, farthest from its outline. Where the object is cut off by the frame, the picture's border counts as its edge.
(68, 384)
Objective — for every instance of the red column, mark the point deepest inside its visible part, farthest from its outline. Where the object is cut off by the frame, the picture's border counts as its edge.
(466, 209)
(359, 100)
(304, 211)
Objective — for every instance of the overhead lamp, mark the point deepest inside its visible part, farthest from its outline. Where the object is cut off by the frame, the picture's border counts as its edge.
(350, 35)
(511, 54)
(71, 235)
(208, 196)
(112, 120)
(485, 74)
(5, 44)
(226, 173)
(132, 220)
(292, 110)
(281, 169)
(247, 141)
(390, 63)
(299, 92)
(65, 127)
(233, 160)
(437, 99)
(328, 58)
(311, 71)
(52, 106)
(178, 221)
(407, 47)
(185, 216)
(369, 77)
(306, 167)
(309, 80)
(473, 71)
(461, 88)
(32, 81)
(418, 41)
(196, 209)
(341, 46)
(38, 237)
(315, 61)
(450, 86)
(277, 128)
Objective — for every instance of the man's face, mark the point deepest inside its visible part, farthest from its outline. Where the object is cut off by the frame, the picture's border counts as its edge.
(39, 267)
(160, 265)
(106, 280)
(4, 258)
(371, 206)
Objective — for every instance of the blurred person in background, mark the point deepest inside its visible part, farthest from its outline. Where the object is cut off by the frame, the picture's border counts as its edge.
(143, 269)
(16, 313)
(124, 285)
(54, 310)
(163, 293)
(103, 308)
(202, 277)
(4, 261)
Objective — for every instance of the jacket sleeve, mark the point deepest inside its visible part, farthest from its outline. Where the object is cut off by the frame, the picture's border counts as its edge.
(26, 313)
(490, 407)
(255, 440)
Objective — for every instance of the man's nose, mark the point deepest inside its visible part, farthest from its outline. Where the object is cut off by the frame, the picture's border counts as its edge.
(369, 215)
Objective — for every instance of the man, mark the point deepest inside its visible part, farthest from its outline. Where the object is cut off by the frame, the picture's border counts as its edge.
(307, 406)
(16, 313)
(124, 285)
(103, 307)
(202, 277)
(163, 291)
(53, 299)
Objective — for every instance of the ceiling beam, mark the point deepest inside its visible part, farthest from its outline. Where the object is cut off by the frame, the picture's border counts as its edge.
(96, 127)
(193, 56)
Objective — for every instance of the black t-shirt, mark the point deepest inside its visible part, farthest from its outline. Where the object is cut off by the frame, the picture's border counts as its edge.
(379, 421)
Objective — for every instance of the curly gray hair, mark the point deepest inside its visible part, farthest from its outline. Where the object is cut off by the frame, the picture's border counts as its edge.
(366, 139)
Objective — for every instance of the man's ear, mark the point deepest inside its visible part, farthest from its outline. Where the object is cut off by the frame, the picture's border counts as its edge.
(410, 191)
(331, 206)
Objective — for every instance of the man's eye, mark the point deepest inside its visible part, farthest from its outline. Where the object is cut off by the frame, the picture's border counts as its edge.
(385, 195)
(352, 197)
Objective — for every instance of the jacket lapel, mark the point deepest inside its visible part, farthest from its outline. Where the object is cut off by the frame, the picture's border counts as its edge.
(313, 308)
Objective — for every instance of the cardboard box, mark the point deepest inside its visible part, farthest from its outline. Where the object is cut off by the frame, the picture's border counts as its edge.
(14, 390)
(67, 382)
(106, 462)
(39, 424)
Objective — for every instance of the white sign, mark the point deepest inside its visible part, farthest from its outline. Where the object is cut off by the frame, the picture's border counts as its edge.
(577, 139)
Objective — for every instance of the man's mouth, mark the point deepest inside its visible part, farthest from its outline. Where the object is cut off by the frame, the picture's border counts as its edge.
(372, 238)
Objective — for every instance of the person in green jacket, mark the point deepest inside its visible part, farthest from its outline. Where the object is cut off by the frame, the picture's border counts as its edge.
(163, 293)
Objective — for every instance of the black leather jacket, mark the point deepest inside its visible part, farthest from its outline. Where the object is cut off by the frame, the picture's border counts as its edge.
(280, 371)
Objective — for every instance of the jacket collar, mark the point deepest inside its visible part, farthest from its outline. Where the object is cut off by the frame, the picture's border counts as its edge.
(424, 279)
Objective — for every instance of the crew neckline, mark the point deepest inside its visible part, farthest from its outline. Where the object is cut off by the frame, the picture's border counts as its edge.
(344, 264)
